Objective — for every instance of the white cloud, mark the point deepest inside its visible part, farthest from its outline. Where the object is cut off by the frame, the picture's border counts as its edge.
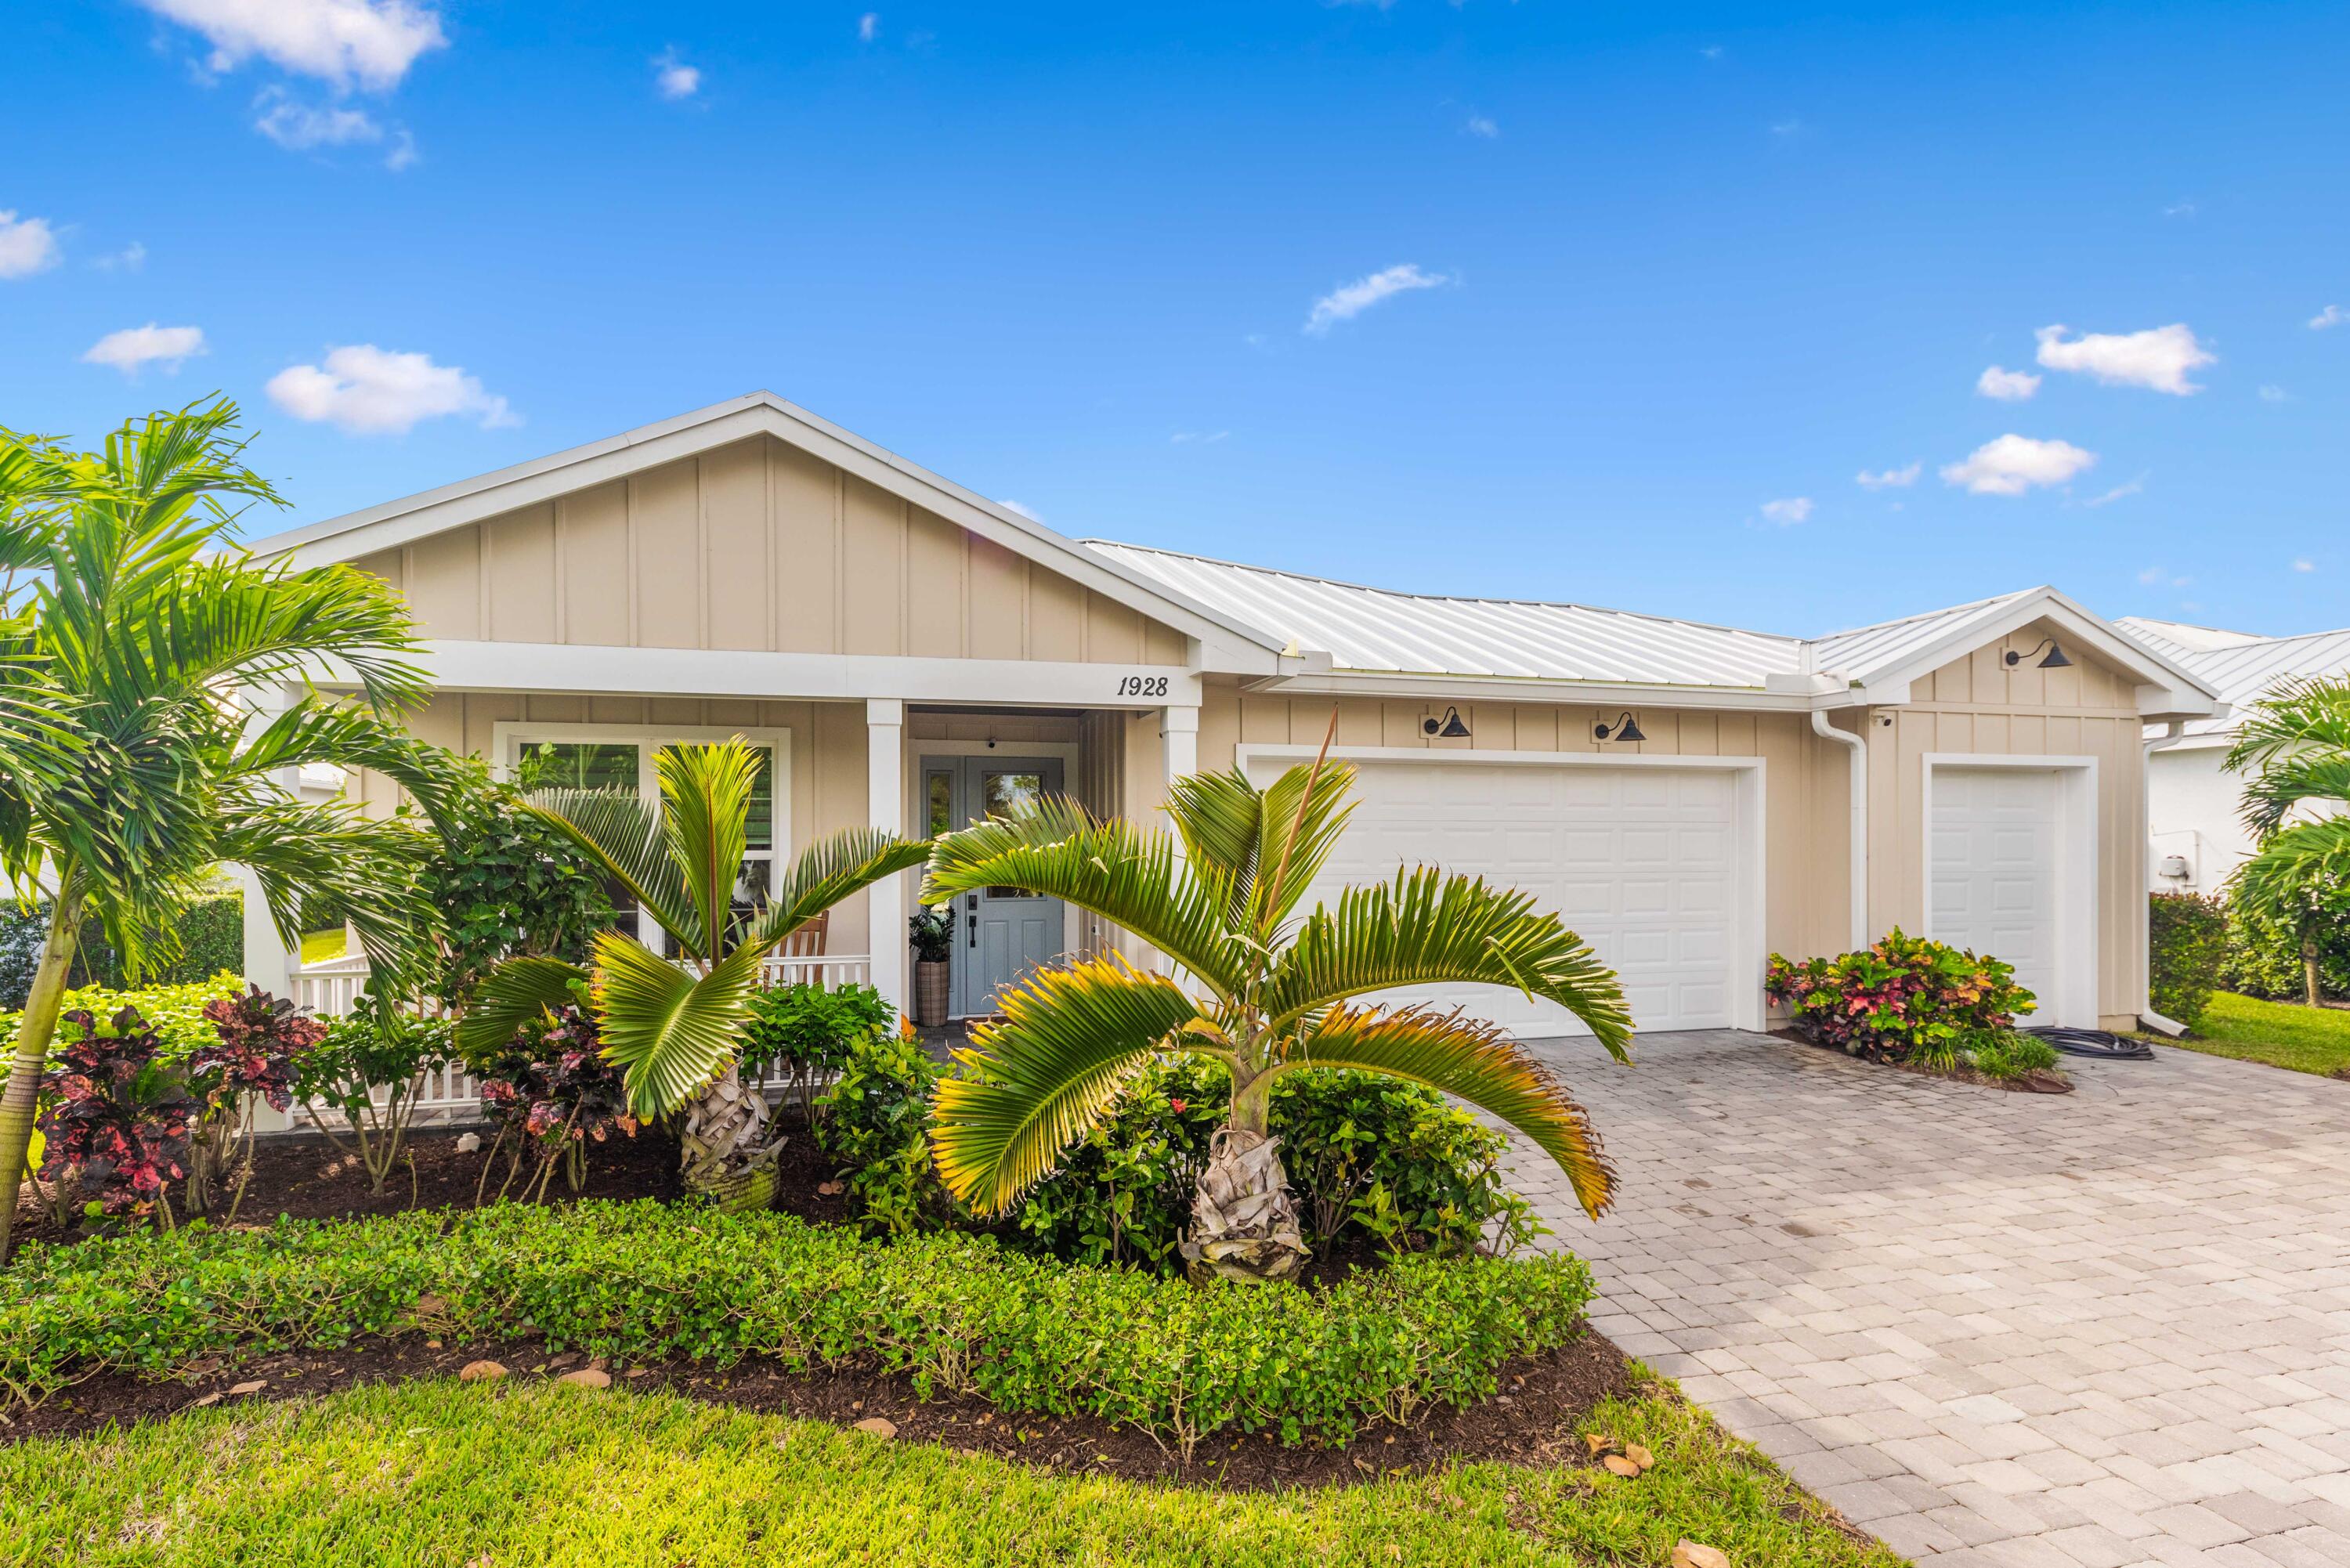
(868, 27)
(1029, 513)
(403, 153)
(2332, 316)
(2179, 210)
(2305, 565)
(2135, 487)
(368, 390)
(1182, 438)
(1482, 125)
(27, 245)
(133, 348)
(2014, 464)
(1888, 479)
(2275, 394)
(129, 258)
(1792, 509)
(1349, 300)
(672, 78)
(2007, 386)
(370, 43)
(299, 127)
(1787, 128)
(2160, 357)
(1712, 51)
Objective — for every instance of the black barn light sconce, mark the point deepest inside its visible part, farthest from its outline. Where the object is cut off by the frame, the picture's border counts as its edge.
(1448, 728)
(2055, 659)
(1626, 729)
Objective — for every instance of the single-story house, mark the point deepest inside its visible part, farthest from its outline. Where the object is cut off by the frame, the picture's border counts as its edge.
(2193, 803)
(910, 654)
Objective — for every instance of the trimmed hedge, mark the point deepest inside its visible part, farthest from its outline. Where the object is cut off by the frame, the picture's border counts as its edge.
(642, 1280)
(2187, 940)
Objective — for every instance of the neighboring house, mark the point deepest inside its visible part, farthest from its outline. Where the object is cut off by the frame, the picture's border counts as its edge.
(911, 655)
(2197, 835)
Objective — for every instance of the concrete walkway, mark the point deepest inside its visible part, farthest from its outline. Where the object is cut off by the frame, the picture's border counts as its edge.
(2090, 1331)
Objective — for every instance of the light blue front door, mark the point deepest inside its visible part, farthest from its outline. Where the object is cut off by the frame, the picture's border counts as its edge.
(1001, 933)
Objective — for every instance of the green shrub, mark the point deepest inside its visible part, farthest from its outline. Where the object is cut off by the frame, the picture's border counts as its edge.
(2263, 958)
(1884, 1002)
(209, 936)
(1364, 1151)
(373, 1047)
(957, 1314)
(804, 1033)
(872, 1121)
(176, 1012)
(508, 885)
(2187, 937)
(2000, 1054)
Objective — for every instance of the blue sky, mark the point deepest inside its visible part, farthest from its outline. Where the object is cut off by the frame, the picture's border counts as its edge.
(1619, 303)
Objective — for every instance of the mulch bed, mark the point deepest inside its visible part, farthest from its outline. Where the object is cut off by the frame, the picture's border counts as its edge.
(1532, 1421)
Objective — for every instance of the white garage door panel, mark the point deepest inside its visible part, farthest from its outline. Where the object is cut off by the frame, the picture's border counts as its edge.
(1994, 868)
(1643, 862)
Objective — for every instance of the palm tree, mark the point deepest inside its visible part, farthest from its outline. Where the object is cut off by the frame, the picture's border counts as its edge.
(131, 770)
(677, 1028)
(2295, 742)
(1260, 991)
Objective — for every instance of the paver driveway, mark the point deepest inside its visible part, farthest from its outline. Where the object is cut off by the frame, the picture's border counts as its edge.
(2106, 1329)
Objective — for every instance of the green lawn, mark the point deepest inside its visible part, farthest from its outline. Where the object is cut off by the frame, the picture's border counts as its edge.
(443, 1472)
(2281, 1034)
(319, 946)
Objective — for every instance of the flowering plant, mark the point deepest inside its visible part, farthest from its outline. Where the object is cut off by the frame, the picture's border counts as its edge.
(1902, 992)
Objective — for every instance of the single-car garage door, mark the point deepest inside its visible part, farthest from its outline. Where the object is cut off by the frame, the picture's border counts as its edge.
(1994, 862)
(1646, 863)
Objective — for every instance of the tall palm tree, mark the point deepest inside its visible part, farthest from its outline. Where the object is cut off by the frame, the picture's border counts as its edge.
(131, 770)
(1261, 990)
(2296, 745)
(677, 1027)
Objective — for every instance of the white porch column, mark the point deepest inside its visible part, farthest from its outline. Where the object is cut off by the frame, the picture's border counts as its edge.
(268, 961)
(885, 756)
(1179, 728)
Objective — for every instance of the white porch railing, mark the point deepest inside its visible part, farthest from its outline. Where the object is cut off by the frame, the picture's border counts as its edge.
(450, 1095)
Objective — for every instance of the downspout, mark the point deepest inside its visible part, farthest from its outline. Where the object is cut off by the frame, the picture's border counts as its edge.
(1856, 746)
(2170, 1027)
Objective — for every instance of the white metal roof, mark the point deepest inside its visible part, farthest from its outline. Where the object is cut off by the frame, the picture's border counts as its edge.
(2184, 637)
(1893, 642)
(1380, 629)
(2245, 668)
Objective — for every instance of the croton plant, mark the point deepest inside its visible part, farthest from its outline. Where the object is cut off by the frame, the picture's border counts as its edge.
(118, 1119)
(1886, 1000)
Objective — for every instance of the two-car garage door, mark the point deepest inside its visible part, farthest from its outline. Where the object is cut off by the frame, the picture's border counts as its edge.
(1647, 864)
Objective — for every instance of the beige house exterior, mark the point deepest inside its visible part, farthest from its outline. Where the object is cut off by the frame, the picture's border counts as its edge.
(909, 651)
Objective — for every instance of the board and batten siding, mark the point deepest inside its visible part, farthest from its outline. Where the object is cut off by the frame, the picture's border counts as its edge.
(757, 547)
(1806, 849)
(1977, 704)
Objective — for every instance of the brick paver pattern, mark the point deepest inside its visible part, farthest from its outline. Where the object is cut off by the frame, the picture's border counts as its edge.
(2087, 1330)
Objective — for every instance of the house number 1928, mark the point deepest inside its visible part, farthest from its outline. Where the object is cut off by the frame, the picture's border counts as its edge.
(1142, 686)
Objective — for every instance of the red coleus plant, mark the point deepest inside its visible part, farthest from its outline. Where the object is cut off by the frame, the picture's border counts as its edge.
(115, 1120)
(552, 1089)
(1886, 1000)
(258, 1042)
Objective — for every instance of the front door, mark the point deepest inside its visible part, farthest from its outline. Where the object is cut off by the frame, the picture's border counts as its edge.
(1001, 933)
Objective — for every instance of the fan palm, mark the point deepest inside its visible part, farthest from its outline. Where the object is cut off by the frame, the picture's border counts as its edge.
(1263, 991)
(676, 1029)
(131, 770)
(2296, 745)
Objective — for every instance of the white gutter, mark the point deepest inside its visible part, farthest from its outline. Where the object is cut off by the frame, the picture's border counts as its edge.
(1857, 746)
(2171, 733)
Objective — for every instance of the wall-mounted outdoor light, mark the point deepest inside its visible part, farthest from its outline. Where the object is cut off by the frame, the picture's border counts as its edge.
(1625, 729)
(1448, 728)
(2055, 659)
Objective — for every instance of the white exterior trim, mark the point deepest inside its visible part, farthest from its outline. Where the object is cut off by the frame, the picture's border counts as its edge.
(2165, 691)
(1225, 643)
(543, 666)
(2076, 879)
(1748, 950)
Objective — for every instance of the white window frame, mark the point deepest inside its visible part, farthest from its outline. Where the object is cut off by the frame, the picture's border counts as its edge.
(510, 738)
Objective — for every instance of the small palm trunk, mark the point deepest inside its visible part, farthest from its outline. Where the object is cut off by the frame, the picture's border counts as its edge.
(726, 1157)
(1243, 1221)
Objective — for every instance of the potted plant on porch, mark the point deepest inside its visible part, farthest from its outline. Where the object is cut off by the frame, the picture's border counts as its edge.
(932, 933)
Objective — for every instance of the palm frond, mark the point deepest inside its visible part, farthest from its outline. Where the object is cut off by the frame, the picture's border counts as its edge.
(1474, 1061)
(672, 1031)
(331, 851)
(621, 833)
(1125, 874)
(315, 729)
(2292, 781)
(705, 796)
(827, 871)
(2297, 868)
(1037, 1082)
(1430, 929)
(1305, 810)
(2296, 716)
(513, 994)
